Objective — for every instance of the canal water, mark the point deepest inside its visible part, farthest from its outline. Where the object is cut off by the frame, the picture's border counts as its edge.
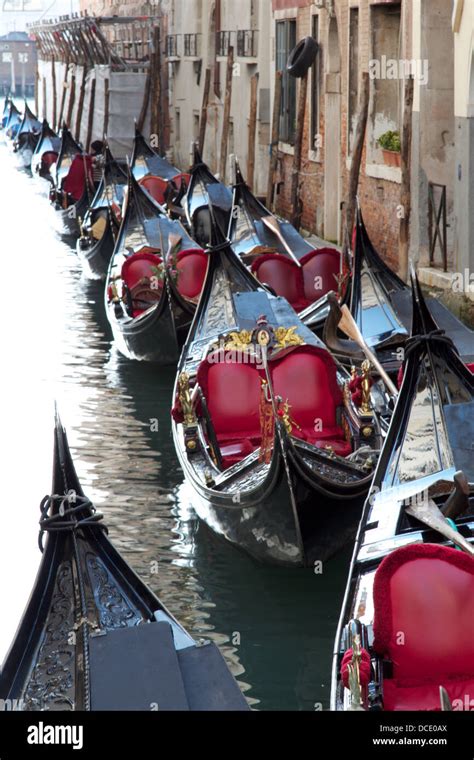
(275, 627)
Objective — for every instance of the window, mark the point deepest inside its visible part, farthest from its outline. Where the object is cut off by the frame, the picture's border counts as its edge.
(315, 90)
(7, 57)
(196, 125)
(353, 72)
(177, 126)
(285, 42)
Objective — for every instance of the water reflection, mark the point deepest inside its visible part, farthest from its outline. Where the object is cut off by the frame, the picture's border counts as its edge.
(275, 627)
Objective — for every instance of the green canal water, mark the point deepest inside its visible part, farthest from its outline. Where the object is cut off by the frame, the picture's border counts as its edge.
(275, 627)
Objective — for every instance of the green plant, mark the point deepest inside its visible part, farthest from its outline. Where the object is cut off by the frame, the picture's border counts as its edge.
(390, 141)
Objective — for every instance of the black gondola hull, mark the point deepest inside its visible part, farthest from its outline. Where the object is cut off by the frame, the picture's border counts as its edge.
(291, 518)
(95, 258)
(152, 337)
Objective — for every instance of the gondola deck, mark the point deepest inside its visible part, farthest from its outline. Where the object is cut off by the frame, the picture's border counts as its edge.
(101, 222)
(302, 501)
(426, 465)
(93, 636)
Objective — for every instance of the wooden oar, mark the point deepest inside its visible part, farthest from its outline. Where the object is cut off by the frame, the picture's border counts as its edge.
(349, 326)
(274, 226)
(428, 513)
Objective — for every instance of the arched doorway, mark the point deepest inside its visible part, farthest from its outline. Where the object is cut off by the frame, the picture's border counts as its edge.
(332, 147)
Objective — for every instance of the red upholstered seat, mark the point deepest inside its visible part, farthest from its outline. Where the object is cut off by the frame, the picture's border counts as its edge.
(192, 268)
(47, 160)
(140, 276)
(424, 613)
(284, 276)
(182, 177)
(154, 186)
(232, 392)
(79, 173)
(320, 269)
(471, 368)
(307, 378)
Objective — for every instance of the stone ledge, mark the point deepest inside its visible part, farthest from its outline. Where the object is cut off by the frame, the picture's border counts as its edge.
(435, 278)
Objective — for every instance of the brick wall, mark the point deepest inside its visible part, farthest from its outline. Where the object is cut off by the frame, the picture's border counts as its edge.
(379, 197)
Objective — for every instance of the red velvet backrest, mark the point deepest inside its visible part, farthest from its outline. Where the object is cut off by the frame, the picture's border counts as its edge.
(154, 186)
(281, 274)
(324, 264)
(48, 159)
(179, 177)
(75, 181)
(192, 269)
(424, 613)
(307, 378)
(138, 266)
(232, 392)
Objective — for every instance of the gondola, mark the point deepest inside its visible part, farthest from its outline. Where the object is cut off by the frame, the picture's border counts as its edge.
(93, 635)
(72, 192)
(204, 189)
(26, 138)
(6, 111)
(406, 623)
(277, 442)
(154, 281)
(101, 223)
(380, 303)
(45, 155)
(281, 258)
(156, 175)
(12, 123)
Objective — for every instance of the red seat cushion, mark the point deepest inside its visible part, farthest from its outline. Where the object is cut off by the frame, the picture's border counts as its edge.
(48, 159)
(192, 269)
(232, 392)
(397, 696)
(307, 378)
(137, 273)
(181, 177)
(320, 269)
(233, 452)
(284, 276)
(154, 186)
(79, 173)
(424, 611)
(471, 368)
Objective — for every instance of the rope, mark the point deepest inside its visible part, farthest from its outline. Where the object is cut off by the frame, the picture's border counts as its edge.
(220, 247)
(65, 518)
(435, 336)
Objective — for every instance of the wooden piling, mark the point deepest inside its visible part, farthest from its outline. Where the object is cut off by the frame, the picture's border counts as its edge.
(90, 120)
(72, 97)
(358, 146)
(205, 103)
(155, 74)
(295, 179)
(146, 100)
(45, 104)
(106, 105)
(55, 94)
(405, 190)
(80, 105)
(252, 130)
(37, 79)
(226, 114)
(274, 137)
(63, 97)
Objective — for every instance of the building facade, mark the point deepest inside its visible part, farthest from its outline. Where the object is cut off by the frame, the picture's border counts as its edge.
(389, 39)
(17, 64)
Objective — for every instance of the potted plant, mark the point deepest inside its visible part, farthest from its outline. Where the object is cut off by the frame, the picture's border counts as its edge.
(391, 147)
